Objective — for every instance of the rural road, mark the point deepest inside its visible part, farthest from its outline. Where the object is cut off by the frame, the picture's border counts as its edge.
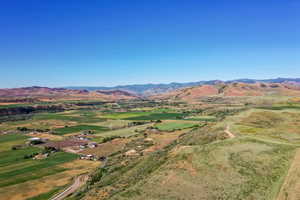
(227, 131)
(79, 181)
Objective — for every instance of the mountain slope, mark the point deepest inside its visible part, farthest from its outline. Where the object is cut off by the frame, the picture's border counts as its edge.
(232, 89)
(45, 93)
(154, 89)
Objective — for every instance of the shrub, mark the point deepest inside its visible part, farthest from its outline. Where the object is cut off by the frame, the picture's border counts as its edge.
(22, 129)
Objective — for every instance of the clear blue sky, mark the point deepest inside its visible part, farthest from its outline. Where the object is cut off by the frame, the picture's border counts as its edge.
(110, 42)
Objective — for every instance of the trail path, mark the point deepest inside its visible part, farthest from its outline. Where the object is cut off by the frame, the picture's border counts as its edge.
(79, 181)
(227, 131)
(290, 189)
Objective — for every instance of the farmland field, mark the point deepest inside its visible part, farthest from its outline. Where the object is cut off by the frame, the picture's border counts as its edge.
(7, 141)
(78, 128)
(12, 172)
(143, 116)
(202, 118)
(172, 126)
(124, 132)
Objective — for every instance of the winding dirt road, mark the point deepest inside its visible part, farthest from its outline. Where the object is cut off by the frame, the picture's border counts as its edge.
(227, 131)
(79, 181)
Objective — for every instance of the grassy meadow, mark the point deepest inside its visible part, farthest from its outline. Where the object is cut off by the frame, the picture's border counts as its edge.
(79, 128)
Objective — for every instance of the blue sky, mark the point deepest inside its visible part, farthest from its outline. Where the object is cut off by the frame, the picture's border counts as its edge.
(111, 42)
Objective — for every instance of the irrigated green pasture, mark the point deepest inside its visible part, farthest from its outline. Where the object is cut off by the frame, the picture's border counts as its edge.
(90, 118)
(9, 140)
(15, 168)
(143, 116)
(175, 125)
(78, 128)
(124, 132)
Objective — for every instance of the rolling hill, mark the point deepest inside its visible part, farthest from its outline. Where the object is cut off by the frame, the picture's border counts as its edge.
(235, 89)
(48, 94)
(153, 89)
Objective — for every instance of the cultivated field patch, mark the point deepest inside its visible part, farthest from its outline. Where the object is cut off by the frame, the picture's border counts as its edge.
(175, 125)
(78, 128)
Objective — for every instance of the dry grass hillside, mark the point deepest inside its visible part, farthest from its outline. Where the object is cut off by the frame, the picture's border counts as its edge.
(49, 94)
(232, 90)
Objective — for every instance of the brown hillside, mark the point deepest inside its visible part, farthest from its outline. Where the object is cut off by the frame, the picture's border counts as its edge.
(49, 94)
(232, 90)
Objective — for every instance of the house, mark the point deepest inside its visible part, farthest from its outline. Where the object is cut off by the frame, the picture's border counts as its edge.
(83, 146)
(35, 141)
(88, 157)
(92, 145)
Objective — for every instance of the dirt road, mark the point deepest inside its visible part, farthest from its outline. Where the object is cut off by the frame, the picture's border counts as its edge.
(227, 131)
(290, 190)
(79, 181)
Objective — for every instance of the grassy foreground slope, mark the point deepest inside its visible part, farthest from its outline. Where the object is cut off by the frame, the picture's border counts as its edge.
(233, 169)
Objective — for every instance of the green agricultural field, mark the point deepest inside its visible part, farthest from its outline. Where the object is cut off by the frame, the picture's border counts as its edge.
(125, 115)
(159, 116)
(9, 140)
(125, 132)
(67, 117)
(113, 124)
(172, 126)
(144, 116)
(78, 128)
(14, 105)
(12, 137)
(15, 169)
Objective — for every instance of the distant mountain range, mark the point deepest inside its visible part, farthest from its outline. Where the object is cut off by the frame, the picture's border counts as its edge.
(154, 89)
(50, 94)
(234, 89)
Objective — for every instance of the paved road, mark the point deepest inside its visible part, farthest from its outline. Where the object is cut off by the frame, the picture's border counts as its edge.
(79, 181)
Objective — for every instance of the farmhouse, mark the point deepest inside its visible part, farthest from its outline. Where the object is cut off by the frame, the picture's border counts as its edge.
(88, 157)
(92, 145)
(36, 140)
